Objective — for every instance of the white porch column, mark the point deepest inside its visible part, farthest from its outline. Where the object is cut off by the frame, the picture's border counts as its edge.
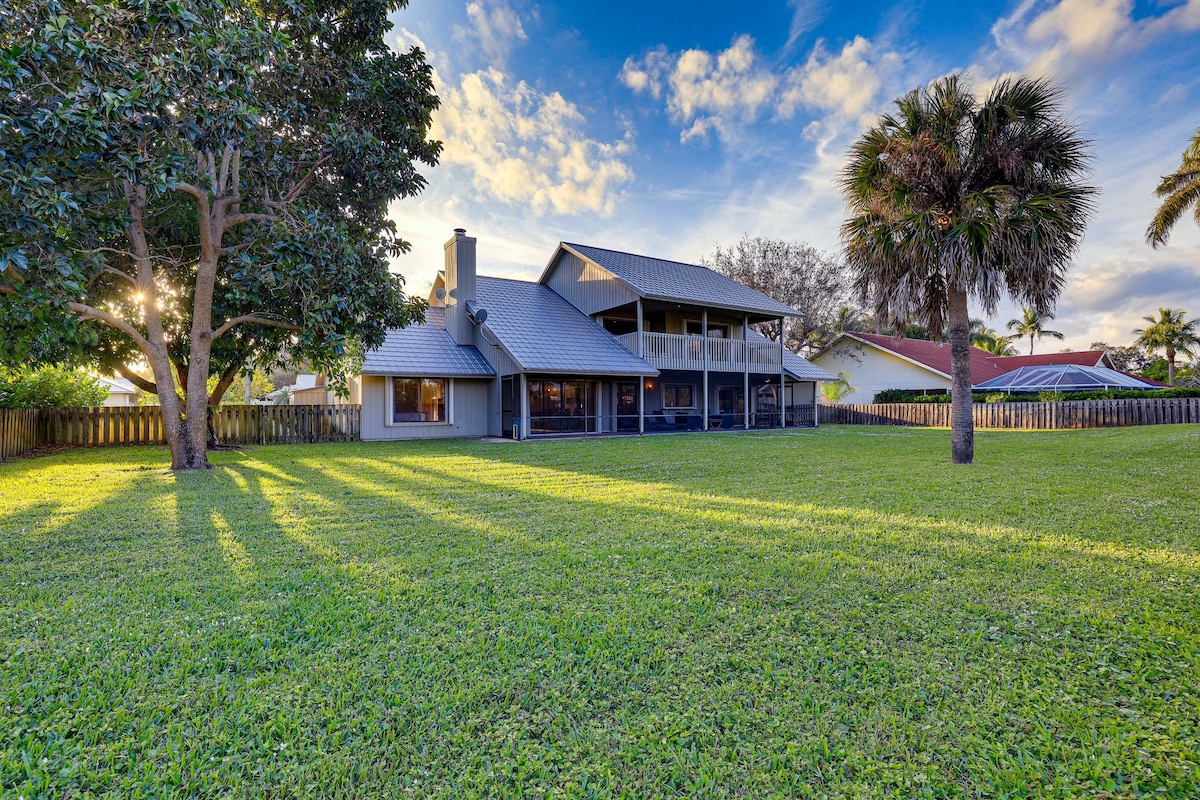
(641, 351)
(704, 350)
(746, 371)
(782, 420)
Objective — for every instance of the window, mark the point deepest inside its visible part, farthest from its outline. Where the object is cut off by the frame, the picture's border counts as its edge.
(619, 327)
(677, 396)
(695, 327)
(419, 400)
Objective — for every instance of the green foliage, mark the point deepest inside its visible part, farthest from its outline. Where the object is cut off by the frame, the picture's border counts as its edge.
(1172, 333)
(1179, 192)
(260, 387)
(903, 396)
(49, 387)
(1032, 324)
(835, 390)
(616, 618)
(122, 103)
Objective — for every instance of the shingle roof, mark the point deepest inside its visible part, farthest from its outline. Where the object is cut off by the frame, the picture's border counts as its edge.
(799, 368)
(675, 281)
(934, 355)
(545, 333)
(426, 351)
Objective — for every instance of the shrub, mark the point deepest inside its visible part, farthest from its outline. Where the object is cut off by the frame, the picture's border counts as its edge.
(49, 387)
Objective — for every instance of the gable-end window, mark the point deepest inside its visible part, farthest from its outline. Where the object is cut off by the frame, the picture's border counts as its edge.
(419, 400)
(678, 396)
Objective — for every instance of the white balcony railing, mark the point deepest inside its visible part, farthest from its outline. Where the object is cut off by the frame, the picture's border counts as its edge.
(673, 351)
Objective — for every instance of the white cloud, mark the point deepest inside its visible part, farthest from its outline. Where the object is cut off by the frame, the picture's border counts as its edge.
(806, 14)
(497, 28)
(1070, 37)
(705, 91)
(526, 147)
(725, 90)
(846, 84)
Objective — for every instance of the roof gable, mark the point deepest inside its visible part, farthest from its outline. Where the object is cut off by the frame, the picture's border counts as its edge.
(426, 351)
(934, 356)
(675, 281)
(542, 332)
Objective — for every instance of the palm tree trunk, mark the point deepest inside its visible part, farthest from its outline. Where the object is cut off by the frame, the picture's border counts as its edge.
(962, 427)
(1031, 344)
(1171, 366)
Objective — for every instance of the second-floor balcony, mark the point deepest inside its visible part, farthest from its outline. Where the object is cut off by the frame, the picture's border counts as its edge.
(675, 351)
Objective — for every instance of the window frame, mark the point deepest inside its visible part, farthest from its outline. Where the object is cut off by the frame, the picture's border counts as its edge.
(390, 391)
(672, 388)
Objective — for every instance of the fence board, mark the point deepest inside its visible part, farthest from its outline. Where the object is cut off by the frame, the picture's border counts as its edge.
(24, 429)
(1036, 416)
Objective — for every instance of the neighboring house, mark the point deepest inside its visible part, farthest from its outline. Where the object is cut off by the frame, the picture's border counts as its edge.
(878, 362)
(603, 342)
(120, 392)
(308, 390)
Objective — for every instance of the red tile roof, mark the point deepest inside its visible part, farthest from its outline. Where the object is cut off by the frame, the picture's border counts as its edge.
(1082, 358)
(935, 355)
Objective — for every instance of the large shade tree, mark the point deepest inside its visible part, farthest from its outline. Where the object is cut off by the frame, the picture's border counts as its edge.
(1179, 191)
(954, 199)
(1171, 333)
(794, 273)
(196, 185)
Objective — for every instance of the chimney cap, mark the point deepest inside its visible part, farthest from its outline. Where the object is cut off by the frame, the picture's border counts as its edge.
(461, 231)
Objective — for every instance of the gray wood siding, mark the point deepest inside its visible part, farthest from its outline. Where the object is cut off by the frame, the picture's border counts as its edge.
(586, 286)
(469, 413)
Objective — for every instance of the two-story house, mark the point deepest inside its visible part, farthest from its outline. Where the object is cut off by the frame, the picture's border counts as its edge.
(604, 342)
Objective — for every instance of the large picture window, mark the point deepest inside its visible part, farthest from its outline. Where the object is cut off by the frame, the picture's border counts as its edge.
(561, 406)
(419, 400)
(678, 396)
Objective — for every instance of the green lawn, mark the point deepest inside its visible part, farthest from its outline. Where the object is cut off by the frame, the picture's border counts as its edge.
(837, 613)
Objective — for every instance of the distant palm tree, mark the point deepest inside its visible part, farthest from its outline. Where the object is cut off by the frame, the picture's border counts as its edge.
(996, 345)
(951, 199)
(1170, 333)
(1180, 191)
(1030, 324)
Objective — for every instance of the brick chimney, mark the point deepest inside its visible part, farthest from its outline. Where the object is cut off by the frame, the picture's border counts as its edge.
(460, 286)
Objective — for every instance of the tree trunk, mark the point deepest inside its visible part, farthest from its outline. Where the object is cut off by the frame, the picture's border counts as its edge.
(962, 427)
(1171, 366)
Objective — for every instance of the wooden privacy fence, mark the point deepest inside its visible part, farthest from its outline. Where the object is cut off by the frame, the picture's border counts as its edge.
(1035, 416)
(22, 430)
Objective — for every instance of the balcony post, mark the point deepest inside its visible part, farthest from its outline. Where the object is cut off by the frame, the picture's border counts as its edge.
(641, 351)
(704, 350)
(782, 421)
(746, 371)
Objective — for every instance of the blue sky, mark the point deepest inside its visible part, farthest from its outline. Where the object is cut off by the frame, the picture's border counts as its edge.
(666, 128)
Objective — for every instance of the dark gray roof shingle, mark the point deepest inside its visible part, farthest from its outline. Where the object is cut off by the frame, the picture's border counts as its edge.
(426, 351)
(660, 279)
(799, 368)
(545, 333)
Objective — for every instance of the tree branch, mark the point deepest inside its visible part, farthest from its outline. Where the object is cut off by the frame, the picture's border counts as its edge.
(273, 323)
(89, 312)
(299, 187)
(224, 382)
(131, 376)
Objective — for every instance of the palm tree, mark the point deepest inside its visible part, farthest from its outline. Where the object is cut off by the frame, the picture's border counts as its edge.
(1180, 190)
(997, 346)
(1030, 324)
(952, 199)
(1171, 333)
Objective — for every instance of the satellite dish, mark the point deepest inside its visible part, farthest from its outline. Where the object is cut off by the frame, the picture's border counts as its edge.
(440, 293)
(477, 315)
